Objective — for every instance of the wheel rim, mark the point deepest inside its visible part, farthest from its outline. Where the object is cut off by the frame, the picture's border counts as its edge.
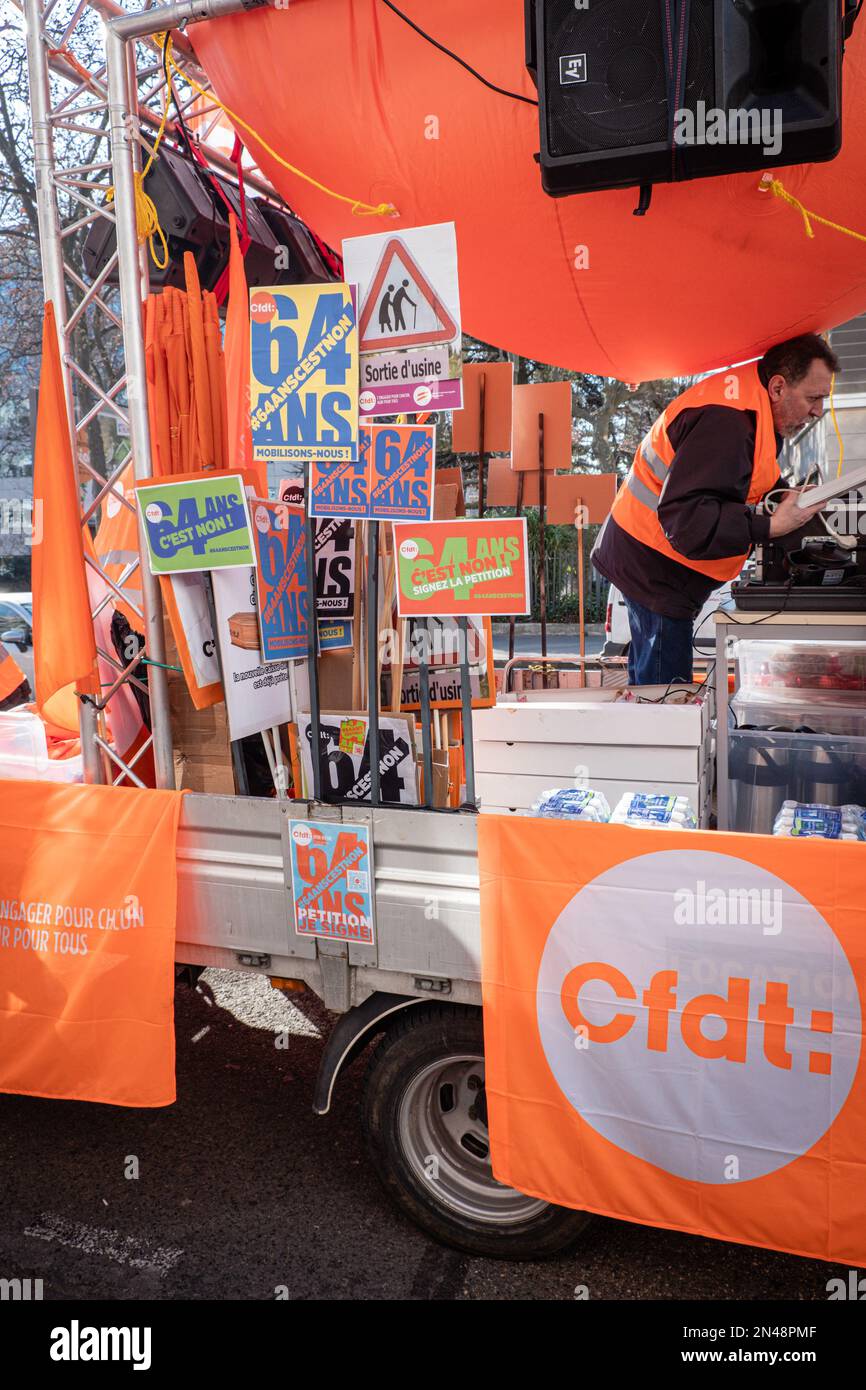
(442, 1127)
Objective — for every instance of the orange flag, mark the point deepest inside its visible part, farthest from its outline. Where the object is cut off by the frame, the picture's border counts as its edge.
(64, 651)
(237, 366)
(655, 1052)
(199, 363)
(88, 894)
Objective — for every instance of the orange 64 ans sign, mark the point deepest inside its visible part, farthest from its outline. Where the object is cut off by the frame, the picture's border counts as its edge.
(673, 1028)
(449, 568)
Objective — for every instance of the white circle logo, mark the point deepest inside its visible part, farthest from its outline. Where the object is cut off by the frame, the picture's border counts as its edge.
(113, 503)
(262, 519)
(694, 1007)
(153, 511)
(422, 395)
(367, 400)
(302, 834)
(409, 550)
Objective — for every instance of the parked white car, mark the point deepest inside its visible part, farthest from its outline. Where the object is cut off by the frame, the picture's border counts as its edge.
(618, 633)
(16, 620)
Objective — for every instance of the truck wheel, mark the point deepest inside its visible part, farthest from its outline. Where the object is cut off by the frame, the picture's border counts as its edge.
(425, 1123)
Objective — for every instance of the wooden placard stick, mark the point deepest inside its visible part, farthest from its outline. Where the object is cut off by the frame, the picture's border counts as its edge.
(386, 610)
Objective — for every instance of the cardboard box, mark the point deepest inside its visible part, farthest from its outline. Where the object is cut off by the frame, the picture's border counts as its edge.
(202, 748)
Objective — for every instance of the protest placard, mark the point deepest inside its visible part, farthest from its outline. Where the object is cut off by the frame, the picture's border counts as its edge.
(281, 578)
(409, 319)
(332, 880)
(304, 373)
(195, 522)
(459, 566)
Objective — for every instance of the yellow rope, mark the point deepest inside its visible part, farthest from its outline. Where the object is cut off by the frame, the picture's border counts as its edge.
(774, 186)
(361, 209)
(147, 222)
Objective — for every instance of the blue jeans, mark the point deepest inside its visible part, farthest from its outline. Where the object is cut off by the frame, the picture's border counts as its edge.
(661, 648)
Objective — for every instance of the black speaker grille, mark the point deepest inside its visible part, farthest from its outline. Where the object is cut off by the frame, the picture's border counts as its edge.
(617, 46)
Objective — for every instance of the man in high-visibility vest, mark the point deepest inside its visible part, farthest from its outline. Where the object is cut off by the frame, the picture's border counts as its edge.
(684, 520)
(14, 685)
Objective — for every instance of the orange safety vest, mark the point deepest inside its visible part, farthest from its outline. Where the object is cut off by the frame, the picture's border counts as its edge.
(635, 508)
(11, 674)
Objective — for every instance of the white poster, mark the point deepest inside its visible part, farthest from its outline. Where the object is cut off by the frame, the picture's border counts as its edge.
(257, 695)
(409, 319)
(192, 605)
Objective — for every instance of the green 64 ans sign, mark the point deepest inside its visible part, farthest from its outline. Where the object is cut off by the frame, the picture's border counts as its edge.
(197, 523)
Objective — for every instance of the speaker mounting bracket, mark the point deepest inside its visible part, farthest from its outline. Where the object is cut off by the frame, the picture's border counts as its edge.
(646, 193)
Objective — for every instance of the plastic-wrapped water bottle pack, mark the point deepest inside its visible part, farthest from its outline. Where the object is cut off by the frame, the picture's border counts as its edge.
(572, 803)
(806, 820)
(654, 812)
(634, 808)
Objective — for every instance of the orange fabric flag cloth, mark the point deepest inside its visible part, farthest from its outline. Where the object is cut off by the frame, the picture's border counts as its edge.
(186, 379)
(64, 650)
(673, 1031)
(237, 367)
(88, 889)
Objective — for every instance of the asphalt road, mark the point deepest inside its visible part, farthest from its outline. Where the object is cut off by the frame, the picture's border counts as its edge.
(562, 640)
(242, 1191)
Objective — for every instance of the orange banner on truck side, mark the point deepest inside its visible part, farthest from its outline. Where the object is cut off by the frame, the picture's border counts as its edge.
(673, 1028)
(88, 890)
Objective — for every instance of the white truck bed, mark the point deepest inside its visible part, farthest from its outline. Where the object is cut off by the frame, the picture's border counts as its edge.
(235, 902)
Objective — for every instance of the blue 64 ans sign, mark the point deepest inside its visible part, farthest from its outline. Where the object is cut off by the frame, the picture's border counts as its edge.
(304, 374)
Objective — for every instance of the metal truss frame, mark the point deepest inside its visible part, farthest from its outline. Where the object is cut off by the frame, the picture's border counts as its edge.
(117, 104)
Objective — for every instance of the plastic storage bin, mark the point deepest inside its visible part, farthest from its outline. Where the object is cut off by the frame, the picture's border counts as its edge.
(765, 769)
(843, 715)
(24, 752)
(792, 671)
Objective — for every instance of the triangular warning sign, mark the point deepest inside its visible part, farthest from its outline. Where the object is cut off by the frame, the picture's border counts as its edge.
(402, 309)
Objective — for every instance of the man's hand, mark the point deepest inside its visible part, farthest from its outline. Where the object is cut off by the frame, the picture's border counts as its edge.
(789, 517)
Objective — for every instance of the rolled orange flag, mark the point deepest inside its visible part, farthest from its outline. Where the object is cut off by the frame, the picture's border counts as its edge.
(64, 650)
(216, 377)
(237, 366)
(158, 406)
(198, 359)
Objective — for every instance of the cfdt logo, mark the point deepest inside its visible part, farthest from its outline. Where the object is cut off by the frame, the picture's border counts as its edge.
(683, 1043)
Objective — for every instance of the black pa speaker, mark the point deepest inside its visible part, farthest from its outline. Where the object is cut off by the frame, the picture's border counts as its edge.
(301, 261)
(193, 218)
(651, 91)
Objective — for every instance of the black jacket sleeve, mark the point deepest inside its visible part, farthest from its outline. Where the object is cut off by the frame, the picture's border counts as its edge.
(702, 509)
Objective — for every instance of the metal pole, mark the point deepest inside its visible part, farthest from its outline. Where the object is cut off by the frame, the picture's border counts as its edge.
(153, 21)
(121, 123)
(482, 457)
(723, 784)
(373, 658)
(425, 711)
(312, 642)
(469, 802)
(51, 254)
(518, 511)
